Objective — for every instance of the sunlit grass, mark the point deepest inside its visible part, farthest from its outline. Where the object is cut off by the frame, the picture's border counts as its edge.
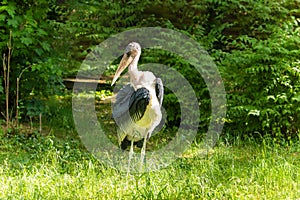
(45, 168)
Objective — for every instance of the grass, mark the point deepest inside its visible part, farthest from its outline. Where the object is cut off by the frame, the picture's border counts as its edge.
(55, 165)
(47, 167)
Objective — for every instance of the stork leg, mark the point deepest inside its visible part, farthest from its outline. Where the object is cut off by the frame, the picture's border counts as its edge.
(130, 157)
(143, 153)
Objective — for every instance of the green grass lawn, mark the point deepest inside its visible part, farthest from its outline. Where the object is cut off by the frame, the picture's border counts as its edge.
(46, 167)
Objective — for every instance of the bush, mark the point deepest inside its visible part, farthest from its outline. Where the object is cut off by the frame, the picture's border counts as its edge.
(261, 72)
(254, 43)
(33, 59)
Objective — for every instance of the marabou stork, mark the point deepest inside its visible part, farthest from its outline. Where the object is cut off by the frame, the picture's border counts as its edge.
(137, 109)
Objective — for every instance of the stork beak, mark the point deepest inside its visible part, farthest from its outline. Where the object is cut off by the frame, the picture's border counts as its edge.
(126, 60)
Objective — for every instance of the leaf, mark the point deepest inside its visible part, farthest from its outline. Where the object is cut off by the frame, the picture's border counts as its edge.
(42, 32)
(271, 97)
(3, 8)
(254, 112)
(13, 22)
(286, 111)
(27, 41)
(282, 98)
(10, 9)
(39, 51)
(2, 17)
(46, 46)
(296, 98)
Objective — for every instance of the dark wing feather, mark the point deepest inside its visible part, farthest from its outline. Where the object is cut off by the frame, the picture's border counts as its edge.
(138, 103)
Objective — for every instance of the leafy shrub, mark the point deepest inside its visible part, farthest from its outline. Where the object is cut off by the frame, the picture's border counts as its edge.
(32, 50)
(254, 43)
(261, 73)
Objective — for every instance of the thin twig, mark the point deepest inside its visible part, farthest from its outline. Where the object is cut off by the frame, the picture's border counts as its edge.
(40, 117)
(6, 77)
(8, 72)
(5, 87)
(17, 95)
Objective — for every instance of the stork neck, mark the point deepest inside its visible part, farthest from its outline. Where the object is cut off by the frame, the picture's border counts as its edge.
(132, 68)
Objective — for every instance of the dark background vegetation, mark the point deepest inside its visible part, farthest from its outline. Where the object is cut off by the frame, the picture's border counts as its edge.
(254, 43)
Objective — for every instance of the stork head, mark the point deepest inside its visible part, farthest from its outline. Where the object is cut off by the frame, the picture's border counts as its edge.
(131, 56)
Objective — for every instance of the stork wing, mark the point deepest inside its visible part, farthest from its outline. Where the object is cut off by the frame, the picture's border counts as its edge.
(121, 106)
(121, 114)
(129, 107)
(159, 89)
(131, 103)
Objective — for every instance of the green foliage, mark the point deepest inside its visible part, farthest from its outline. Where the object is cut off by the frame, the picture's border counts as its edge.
(32, 40)
(255, 45)
(85, 24)
(261, 73)
(27, 20)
